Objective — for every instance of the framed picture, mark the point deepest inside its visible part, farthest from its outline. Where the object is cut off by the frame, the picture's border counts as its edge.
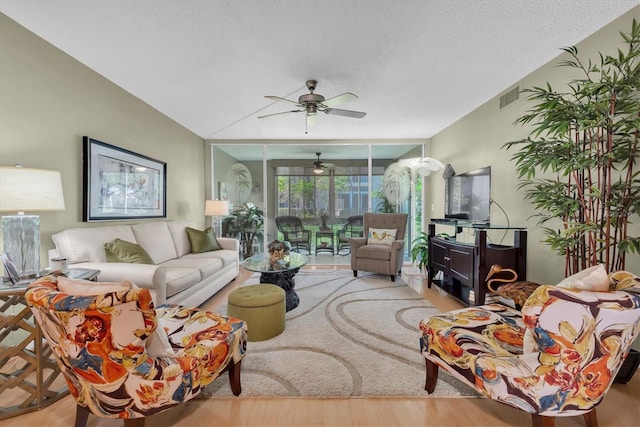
(120, 184)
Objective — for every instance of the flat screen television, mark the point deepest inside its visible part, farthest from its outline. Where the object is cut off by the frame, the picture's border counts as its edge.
(468, 196)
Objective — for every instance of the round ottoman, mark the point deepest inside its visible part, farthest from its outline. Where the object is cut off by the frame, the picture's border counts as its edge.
(262, 307)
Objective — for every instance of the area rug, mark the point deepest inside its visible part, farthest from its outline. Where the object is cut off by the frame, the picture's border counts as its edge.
(349, 337)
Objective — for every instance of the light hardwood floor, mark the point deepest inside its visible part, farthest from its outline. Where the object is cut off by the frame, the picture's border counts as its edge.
(621, 407)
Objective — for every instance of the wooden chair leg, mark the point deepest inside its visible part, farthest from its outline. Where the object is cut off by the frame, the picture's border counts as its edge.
(82, 415)
(234, 377)
(542, 421)
(134, 422)
(590, 418)
(432, 376)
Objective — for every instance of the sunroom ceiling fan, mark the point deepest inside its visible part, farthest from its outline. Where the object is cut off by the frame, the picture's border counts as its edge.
(319, 166)
(312, 103)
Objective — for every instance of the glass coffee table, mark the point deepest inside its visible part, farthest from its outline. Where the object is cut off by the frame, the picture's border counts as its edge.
(280, 274)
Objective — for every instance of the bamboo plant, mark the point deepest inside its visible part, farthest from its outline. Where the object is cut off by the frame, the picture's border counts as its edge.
(579, 163)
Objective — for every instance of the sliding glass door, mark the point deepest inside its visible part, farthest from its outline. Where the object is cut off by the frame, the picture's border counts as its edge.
(321, 184)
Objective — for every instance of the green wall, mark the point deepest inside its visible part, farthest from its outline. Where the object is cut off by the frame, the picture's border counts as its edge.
(48, 101)
(476, 140)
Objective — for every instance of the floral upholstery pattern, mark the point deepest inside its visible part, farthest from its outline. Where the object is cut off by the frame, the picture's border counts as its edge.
(557, 357)
(99, 343)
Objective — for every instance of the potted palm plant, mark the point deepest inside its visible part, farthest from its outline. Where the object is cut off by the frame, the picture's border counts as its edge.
(420, 252)
(577, 166)
(247, 220)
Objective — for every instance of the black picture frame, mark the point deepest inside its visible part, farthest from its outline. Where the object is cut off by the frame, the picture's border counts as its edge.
(120, 184)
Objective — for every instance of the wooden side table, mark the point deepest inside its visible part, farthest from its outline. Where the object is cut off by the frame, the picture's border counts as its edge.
(324, 241)
(30, 378)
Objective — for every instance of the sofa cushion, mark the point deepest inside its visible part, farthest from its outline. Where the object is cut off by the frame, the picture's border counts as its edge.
(87, 244)
(178, 232)
(120, 250)
(181, 278)
(228, 257)
(206, 266)
(203, 241)
(155, 238)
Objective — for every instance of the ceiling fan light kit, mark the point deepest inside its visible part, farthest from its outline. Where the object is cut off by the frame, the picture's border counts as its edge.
(312, 103)
(319, 166)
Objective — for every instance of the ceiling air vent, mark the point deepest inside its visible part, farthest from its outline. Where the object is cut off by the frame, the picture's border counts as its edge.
(509, 97)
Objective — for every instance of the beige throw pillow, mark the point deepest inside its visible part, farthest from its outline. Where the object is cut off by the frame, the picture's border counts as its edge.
(590, 279)
(381, 236)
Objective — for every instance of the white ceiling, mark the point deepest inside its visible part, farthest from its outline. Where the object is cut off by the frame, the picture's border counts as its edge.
(417, 65)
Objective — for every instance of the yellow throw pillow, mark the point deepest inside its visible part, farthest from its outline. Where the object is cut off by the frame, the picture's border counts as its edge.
(203, 241)
(87, 288)
(119, 250)
(381, 236)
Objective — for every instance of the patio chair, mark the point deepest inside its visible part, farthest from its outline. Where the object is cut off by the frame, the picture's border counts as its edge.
(352, 228)
(294, 232)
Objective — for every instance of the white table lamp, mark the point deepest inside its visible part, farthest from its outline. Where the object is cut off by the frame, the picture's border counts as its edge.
(217, 209)
(26, 189)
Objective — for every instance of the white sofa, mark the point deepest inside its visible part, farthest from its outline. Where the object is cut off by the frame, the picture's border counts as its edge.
(177, 276)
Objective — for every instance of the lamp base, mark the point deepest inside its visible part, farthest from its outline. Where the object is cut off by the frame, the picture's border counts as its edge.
(21, 239)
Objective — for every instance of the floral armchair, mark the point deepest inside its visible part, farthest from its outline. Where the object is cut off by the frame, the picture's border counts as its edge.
(115, 357)
(558, 357)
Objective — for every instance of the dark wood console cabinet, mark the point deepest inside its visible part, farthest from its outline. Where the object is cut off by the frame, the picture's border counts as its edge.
(464, 266)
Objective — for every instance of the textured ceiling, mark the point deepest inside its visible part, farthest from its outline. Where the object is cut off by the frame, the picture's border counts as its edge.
(417, 66)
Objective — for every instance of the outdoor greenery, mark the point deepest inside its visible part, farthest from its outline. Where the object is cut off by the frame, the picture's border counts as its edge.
(578, 165)
(308, 196)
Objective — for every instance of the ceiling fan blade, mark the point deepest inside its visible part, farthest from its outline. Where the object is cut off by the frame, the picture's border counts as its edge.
(282, 112)
(277, 98)
(339, 100)
(345, 113)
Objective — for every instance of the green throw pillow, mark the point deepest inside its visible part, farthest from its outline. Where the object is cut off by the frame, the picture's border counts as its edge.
(122, 251)
(203, 241)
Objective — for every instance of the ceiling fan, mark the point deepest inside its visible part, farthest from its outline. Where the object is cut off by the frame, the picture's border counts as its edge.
(319, 166)
(312, 103)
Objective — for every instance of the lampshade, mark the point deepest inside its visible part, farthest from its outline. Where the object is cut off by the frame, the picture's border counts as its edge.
(27, 189)
(216, 207)
(318, 171)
